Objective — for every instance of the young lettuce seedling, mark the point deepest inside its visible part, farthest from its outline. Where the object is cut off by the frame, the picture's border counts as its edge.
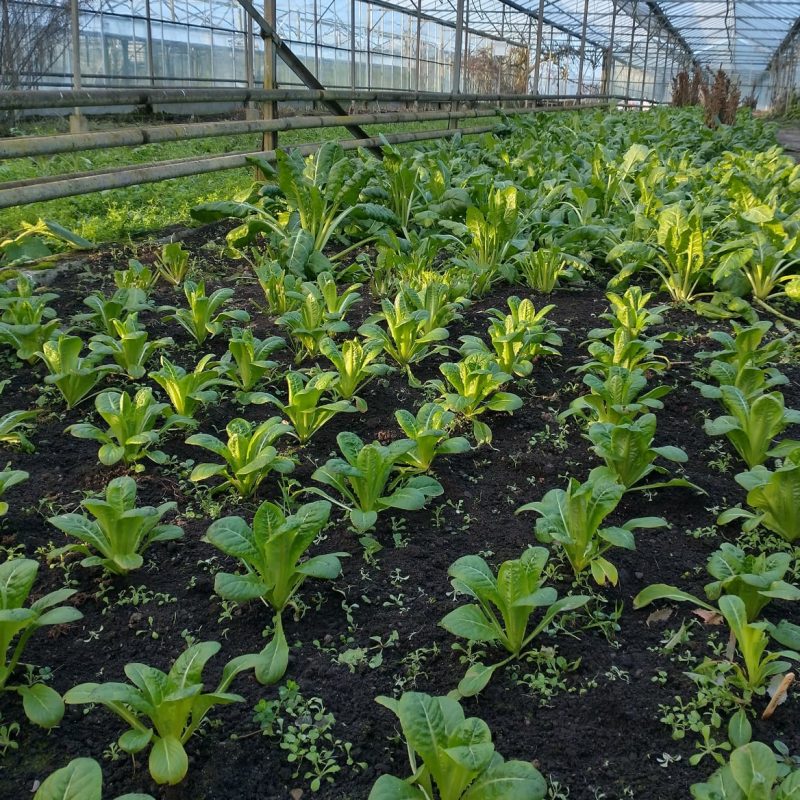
(81, 779)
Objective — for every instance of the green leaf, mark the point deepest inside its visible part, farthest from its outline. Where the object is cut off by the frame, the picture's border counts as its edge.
(134, 740)
(476, 679)
(661, 591)
(469, 622)
(43, 705)
(755, 769)
(387, 787)
(512, 780)
(274, 658)
(239, 588)
(168, 761)
(81, 779)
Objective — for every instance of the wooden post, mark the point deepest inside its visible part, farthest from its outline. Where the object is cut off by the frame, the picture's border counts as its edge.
(77, 121)
(269, 110)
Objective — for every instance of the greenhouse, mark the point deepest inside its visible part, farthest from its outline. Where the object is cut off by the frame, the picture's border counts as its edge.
(399, 399)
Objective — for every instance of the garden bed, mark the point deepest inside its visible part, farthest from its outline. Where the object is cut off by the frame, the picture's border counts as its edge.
(591, 725)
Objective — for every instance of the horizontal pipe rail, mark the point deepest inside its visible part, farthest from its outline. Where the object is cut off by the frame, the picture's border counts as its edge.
(30, 100)
(30, 146)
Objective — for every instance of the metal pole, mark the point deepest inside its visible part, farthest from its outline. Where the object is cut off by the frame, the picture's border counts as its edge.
(419, 45)
(655, 70)
(667, 53)
(151, 70)
(644, 64)
(582, 54)
(77, 122)
(269, 110)
(630, 54)
(353, 45)
(608, 56)
(537, 64)
(457, 55)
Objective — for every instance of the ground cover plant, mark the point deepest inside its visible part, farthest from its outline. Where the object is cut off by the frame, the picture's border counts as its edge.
(258, 499)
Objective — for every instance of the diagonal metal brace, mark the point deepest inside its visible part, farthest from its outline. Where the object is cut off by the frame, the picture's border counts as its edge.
(299, 68)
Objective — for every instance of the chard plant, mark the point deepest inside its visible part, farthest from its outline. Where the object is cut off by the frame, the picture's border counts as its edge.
(204, 316)
(14, 427)
(355, 364)
(369, 481)
(172, 263)
(134, 427)
(543, 270)
(247, 362)
(72, 374)
(629, 454)
(517, 338)
(187, 391)
(452, 757)
(773, 496)
(117, 532)
(81, 779)
(42, 704)
(26, 319)
(273, 554)
(471, 387)
(8, 479)
(504, 608)
(105, 310)
(164, 709)
(751, 426)
(573, 519)
(408, 337)
(617, 397)
(129, 346)
(307, 406)
(430, 432)
(249, 455)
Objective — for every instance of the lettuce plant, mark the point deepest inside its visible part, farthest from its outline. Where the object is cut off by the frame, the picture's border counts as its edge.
(505, 605)
(249, 455)
(303, 406)
(355, 364)
(544, 269)
(81, 779)
(272, 553)
(369, 480)
(188, 390)
(616, 397)
(14, 427)
(517, 338)
(163, 710)
(573, 518)
(104, 310)
(774, 496)
(135, 276)
(172, 263)
(751, 425)
(42, 705)
(72, 374)
(336, 305)
(309, 324)
(747, 347)
(26, 319)
(629, 454)
(472, 388)
(247, 361)
(430, 432)
(117, 532)
(629, 313)
(129, 346)
(133, 427)
(452, 756)
(437, 298)
(204, 316)
(9, 478)
(281, 288)
(620, 350)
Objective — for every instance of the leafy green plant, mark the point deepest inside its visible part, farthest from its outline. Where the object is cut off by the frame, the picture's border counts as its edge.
(9, 478)
(30, 243)
(620, 350)
(172, 263)
(751, 425)
(306, 406)
(72, 374)
(81, 778)
(310, 324)
(188, 390)
(458, 759)
(629, 454)
(355, 364)
(204, 317)
(135, 276)
(629, 313)
(42, 704)
(369, 480)
(247, 361)
(544, 269)
(439, 298)
(572, 518)
(775, 496)
(616, 397)
(104, 311)
(517, 338)
(249, 454)
(133, 430)
(336, 305)
(504, 608)
(281, 288)
(430, 432)
(271, 552)
(747, 347)
(129, 346)
(26, 319)
(14, 427)
(162, 709)
(475, 382)
(120, 531)
(408, 338)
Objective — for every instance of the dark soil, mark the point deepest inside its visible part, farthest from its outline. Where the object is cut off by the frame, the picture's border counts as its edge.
(598, 737)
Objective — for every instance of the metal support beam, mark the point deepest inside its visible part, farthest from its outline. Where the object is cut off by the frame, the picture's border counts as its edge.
(538, 61)
(582, 55)
(77, 122)
(458, 53)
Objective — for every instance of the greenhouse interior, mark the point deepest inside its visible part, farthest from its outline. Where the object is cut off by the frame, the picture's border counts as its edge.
(399, 399)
